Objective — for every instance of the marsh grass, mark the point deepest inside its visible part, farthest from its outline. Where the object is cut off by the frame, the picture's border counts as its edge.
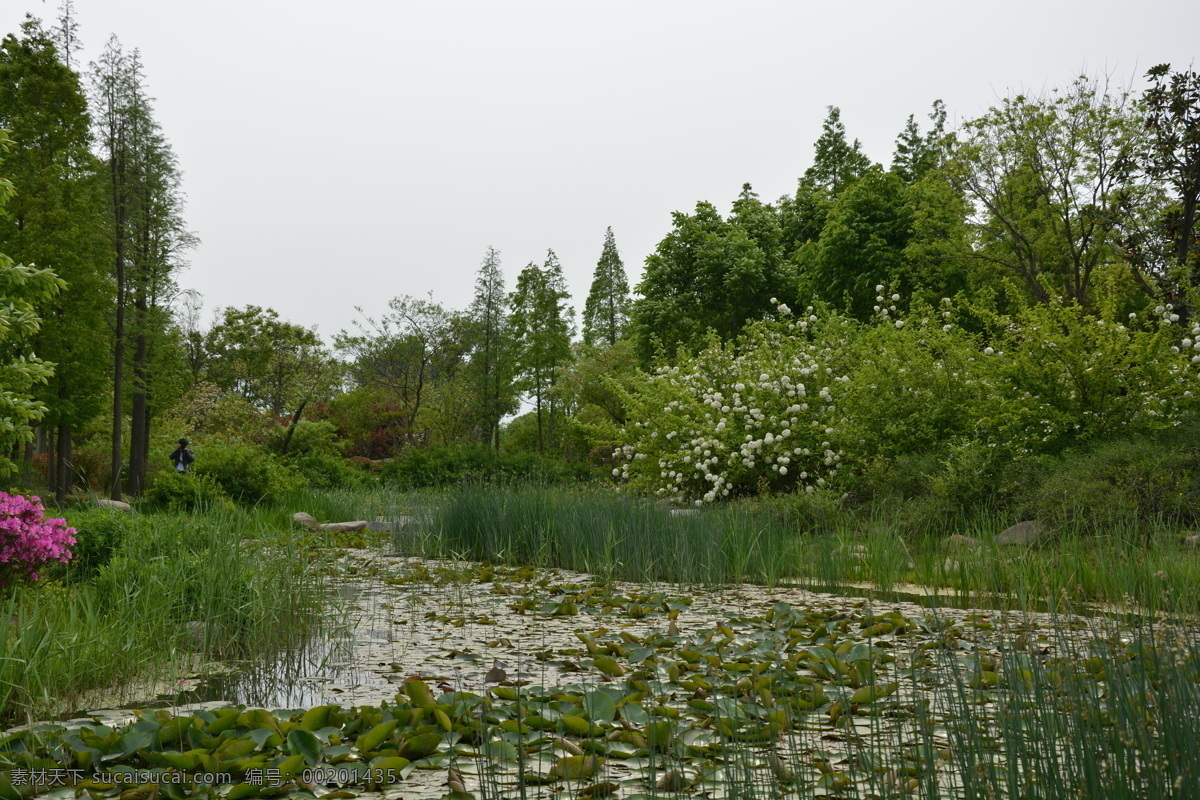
(612, 536)
(1131, 564)
(172, 591)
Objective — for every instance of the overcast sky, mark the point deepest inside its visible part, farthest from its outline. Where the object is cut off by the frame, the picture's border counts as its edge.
(340, 154)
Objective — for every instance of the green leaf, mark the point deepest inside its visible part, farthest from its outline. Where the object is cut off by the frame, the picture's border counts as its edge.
(304, 742)
(372, 739)
(599, 706)
(315, 718)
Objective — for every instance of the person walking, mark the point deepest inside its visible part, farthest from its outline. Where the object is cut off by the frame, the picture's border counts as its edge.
(182, 456)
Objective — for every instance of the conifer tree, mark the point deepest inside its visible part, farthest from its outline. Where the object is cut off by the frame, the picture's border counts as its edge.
(836, 162)
(606, 312)
(542, 326)
(149, 239)
(492, 358)
(57, 220)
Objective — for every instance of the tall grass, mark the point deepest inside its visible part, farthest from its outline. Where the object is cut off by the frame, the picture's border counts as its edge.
(613, 536)
(1128, 564)
(171, 590)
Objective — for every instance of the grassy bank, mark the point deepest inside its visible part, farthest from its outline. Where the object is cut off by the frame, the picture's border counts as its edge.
(1128, 563)
(145, 596)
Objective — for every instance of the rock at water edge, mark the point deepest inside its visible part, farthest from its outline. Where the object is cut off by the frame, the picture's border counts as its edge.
(1027, 532)
(306, 521)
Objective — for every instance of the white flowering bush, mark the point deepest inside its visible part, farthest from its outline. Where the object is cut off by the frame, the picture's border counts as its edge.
(799, 399)
(1061, 376)
(753, 415)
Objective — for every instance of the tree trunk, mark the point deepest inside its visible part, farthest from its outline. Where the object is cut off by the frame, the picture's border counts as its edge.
(137, 420)
(287, 438)
(65, 466)
(539, 419)
(26, 462)
(51, 466)
(118, 380)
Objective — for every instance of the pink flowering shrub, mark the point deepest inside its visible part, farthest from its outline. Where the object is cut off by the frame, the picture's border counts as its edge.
(28, 539)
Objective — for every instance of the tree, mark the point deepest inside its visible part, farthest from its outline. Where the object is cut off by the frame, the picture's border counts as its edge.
(1047, 178)
(57, 220)
(542, 326)
(1172, 120)
(916, 153)
(148, 238)
(274, 364)
(862, 244)
(836, 163)
(606, 311)
(492, 356)
(22, 289)
(404, 352)
(709, 273)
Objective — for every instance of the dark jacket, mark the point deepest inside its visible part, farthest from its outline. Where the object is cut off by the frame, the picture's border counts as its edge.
(184, 456)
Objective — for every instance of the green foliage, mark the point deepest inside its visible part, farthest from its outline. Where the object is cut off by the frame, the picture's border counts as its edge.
(710, 274)
(100, 533)
(1052, 181)
(862, 243)
(1140, 481)
(57, 218)
(836, 163)
(606, 312)
(272, 363)
(542, 325)
(187, 491)
(22, 290)
(418, 468)
(247, 473)
(1172, 108)
(401, 354)
(492, 364)
(315, 454)
(793, 402)
(743, 417)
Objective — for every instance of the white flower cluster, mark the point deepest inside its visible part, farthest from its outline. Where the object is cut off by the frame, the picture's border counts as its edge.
(738, 420)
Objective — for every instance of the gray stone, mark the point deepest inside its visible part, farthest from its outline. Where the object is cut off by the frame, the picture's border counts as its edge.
(381, 526)
(1026, 532)
(345, 527)
(306, 521)
(1193, 540)
(113, 505)
(958, 541)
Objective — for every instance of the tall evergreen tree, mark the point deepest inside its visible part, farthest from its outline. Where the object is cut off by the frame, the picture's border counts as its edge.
(916, 153)
(836, 163)
(492, 357)
(149, 239)
(606, 312)
(542, 325)
(66, 33)
(57, 221)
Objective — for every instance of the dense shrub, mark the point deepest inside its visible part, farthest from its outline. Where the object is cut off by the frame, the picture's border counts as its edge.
(188, 491)
(247, 473)
(1127, 480)
(314, 452)
(418, 468)
(99, 534)
(797, 401)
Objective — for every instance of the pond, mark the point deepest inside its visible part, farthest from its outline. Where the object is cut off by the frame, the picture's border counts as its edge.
(500, 681)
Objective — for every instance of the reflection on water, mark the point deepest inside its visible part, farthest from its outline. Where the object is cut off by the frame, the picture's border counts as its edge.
(380, 634)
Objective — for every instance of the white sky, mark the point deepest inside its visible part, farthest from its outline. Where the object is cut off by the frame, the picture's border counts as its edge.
(340, 154)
